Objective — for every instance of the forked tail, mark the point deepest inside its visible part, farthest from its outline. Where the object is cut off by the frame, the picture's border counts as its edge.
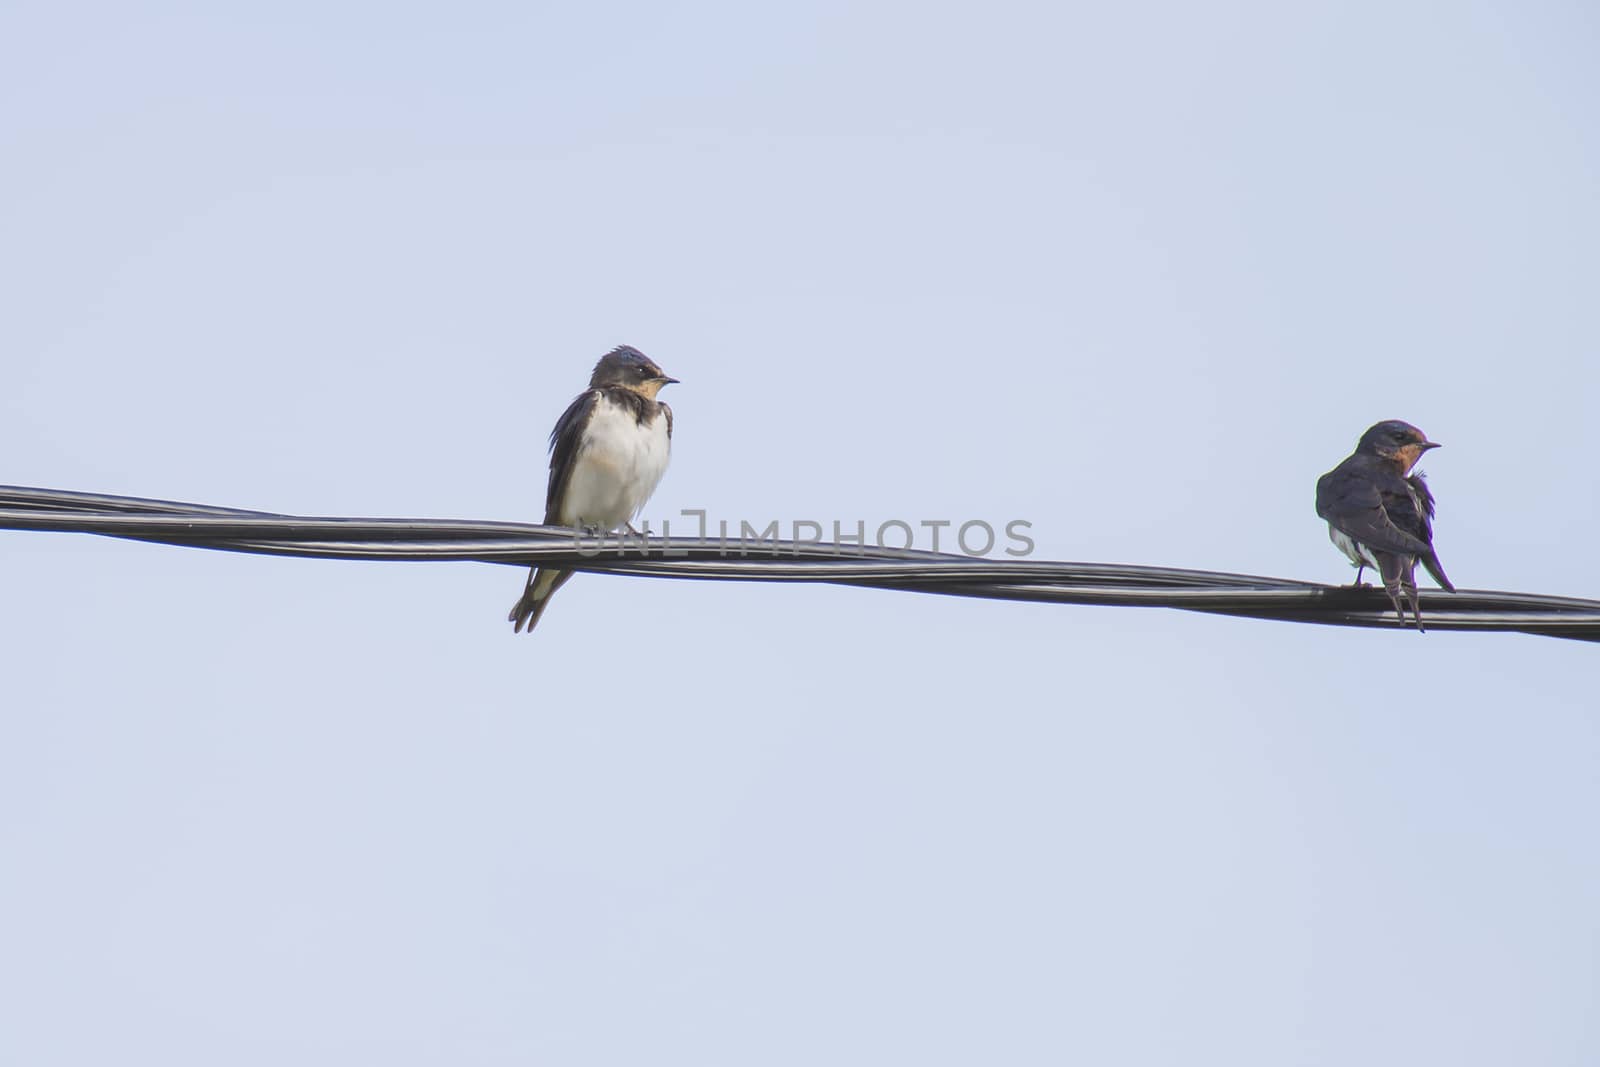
(542, 584)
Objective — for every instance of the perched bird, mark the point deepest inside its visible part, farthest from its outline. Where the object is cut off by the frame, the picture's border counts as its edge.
(1381, 515)
(607, 453)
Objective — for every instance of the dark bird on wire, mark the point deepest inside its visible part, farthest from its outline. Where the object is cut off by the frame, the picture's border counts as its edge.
(607, 453)
(1381, 515)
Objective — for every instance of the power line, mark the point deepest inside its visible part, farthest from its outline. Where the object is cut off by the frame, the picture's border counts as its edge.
(235, 530)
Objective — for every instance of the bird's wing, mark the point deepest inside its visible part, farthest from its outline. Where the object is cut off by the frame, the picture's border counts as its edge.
(1423, 498)
(1353, 501)
(1406, 509)
(565, 442)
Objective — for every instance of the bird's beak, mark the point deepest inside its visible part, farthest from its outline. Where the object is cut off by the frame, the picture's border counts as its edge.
(1430, 444)
(664, 380)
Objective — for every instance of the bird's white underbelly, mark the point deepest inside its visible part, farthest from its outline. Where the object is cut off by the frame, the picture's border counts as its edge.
(617, 468)
(1357, 552)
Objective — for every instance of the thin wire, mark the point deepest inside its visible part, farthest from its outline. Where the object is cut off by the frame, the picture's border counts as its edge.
(521, 544)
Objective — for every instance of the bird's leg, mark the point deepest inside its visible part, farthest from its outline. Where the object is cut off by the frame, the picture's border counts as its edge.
(631, 530)
(1359, 568)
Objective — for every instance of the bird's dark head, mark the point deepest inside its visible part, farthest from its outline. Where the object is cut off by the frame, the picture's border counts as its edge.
(1400, 442)
(631, 369)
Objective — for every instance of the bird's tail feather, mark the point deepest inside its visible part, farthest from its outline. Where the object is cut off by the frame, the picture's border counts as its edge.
(1435, 568)
(1398, 582)
(542, 584)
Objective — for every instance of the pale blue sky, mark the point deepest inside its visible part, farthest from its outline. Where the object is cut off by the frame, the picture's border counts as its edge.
(1135, 273)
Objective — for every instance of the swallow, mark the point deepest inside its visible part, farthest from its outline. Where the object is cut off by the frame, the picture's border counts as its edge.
(1381, 515)
(607, 454)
